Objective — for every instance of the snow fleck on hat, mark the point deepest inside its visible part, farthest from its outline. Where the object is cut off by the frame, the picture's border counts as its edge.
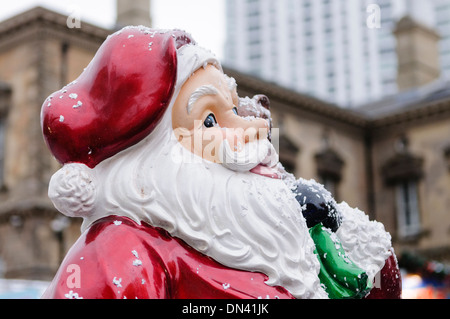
(118, 100)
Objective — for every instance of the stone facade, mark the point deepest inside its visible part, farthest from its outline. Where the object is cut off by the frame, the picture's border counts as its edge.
(428, 135)
(38, 55)
(346, 150)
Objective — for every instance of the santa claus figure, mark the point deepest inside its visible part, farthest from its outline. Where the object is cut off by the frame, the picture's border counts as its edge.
(181, 191)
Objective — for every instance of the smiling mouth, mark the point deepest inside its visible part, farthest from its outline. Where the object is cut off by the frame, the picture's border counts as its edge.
(266, 171)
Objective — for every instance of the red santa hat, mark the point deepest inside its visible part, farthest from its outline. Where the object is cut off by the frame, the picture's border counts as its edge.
(123, 95)
(120, 97)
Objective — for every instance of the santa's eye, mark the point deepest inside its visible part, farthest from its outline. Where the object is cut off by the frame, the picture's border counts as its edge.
(210, 121)
(235, 110)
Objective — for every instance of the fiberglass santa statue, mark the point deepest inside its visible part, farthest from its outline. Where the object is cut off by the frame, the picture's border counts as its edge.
(181, 191)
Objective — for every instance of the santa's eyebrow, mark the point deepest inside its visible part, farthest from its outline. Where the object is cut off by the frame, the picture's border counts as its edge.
(199, 93)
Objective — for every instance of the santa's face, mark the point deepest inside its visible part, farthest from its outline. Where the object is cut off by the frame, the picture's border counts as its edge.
(205, 116)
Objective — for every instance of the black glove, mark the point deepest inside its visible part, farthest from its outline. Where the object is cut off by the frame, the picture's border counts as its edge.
(318, 205)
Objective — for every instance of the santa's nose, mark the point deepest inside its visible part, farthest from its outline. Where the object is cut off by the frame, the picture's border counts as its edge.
(263, 101)
(256, 129)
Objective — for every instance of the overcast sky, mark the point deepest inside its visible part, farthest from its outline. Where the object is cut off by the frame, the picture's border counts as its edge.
(204, 19)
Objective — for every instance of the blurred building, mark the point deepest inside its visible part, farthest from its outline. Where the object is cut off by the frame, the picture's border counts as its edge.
(390, 158)
(38, 55)
(342, 51)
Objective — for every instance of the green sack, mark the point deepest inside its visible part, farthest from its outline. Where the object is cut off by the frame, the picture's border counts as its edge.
(341, 277)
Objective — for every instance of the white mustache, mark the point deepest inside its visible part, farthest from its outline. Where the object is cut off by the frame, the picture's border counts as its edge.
(254, 153)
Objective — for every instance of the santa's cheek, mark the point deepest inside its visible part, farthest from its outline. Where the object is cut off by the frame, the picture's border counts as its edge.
(210, 152)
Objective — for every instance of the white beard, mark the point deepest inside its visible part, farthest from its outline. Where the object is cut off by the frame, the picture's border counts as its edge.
(367, 243)
(242, 220)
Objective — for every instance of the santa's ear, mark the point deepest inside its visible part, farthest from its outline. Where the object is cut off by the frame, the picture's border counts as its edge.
(73, 190)
(263, 101)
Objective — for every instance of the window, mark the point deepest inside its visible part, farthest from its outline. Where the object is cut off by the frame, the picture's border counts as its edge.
(329, 166)
(403, 173)
(408, 215)
(330, 185)
(288, 154)
(5, 100)
(2, 151)
(447, 156)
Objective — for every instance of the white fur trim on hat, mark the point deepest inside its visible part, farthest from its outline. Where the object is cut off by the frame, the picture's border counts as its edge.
(73, 190)
(191, 58)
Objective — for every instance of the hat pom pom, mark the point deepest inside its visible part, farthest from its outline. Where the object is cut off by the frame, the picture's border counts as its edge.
(73, 190)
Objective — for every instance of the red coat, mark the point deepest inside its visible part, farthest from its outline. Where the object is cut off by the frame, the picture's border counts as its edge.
(117, 258)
